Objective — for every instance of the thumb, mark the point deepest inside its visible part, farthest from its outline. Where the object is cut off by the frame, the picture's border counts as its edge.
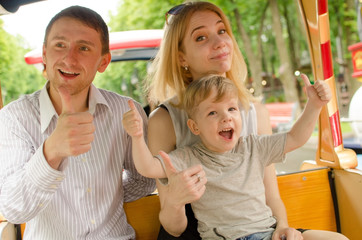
(131, 104)
(66, 99)
(169, 168)
(305, 80)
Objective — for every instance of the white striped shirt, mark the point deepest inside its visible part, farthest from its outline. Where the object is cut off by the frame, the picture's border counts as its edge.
(84, 198)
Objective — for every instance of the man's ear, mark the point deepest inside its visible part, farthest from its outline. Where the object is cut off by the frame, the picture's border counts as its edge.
(193, 126)
(43, 56)
(106, 59)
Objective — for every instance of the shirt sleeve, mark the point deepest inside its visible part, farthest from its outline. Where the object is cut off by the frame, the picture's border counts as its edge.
(27, 182)
(134, 184)
(271, 148)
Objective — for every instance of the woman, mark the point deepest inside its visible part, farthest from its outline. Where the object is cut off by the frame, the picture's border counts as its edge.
(198, 41)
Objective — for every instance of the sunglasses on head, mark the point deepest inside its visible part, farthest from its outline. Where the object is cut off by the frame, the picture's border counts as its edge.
(174, 11)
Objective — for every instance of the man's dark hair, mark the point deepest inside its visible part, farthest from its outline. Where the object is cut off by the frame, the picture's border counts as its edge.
(86, 16)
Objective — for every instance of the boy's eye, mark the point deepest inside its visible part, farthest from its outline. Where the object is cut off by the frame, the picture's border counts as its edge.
(222, 31)
(211, 113)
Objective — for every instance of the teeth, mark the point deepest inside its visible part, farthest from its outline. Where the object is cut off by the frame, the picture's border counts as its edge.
(226, 130)
(68, 72)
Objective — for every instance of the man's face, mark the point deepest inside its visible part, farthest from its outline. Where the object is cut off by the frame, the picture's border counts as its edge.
(72, 56)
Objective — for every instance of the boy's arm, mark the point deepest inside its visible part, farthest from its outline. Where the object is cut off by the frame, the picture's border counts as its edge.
(319, 95)
(145, 163)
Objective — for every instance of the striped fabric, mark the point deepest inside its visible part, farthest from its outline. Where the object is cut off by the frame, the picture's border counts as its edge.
(84, 198)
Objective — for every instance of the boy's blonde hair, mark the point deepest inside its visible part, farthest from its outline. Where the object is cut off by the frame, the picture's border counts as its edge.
(168, 78)
(199, 90)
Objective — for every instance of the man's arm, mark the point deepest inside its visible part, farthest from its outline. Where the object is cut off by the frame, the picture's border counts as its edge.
(319, 95)
(27, 182)
(145, 163)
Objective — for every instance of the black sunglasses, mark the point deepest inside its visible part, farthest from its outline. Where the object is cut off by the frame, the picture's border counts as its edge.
(174, 11)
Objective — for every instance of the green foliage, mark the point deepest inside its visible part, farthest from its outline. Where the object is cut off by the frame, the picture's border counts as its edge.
(19, 78)
(133, 15)
(16, 76)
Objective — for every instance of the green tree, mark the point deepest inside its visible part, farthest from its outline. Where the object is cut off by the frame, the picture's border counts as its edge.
(16, 76)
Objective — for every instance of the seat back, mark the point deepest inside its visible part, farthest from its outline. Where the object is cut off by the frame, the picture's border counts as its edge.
(142, 214)
(308, 199)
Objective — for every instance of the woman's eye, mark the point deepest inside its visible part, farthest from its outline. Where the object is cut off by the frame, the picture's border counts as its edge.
(198, 39)
(232, 109)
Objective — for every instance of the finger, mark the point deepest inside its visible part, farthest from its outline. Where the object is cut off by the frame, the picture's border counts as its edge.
(169, 168)
(305, 80)
(66, 99)
(131, 104)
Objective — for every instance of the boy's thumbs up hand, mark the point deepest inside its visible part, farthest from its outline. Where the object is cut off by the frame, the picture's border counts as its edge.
(132, 121)
(319, 93)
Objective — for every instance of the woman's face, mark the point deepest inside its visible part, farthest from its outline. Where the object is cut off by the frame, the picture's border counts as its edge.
(207, 47)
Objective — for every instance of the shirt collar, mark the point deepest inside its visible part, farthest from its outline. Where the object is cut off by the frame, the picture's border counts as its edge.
(47, 110)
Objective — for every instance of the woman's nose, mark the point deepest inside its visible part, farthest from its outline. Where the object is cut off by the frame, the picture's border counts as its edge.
(218, 42)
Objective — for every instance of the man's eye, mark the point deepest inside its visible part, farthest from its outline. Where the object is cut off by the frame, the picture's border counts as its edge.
(84, 48)
(60, 45)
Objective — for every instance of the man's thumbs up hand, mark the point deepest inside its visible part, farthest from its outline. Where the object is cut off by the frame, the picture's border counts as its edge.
(73, 134)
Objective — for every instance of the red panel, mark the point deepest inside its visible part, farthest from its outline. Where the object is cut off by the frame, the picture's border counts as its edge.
(327, 60)
(336, 129)
(322, 7)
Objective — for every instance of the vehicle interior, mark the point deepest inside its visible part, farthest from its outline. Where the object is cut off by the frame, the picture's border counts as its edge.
(326, 191)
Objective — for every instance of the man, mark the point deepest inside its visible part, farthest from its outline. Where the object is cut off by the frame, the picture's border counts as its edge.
(66, 165)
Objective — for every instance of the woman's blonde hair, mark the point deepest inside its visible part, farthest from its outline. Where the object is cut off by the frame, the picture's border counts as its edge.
(168, 78)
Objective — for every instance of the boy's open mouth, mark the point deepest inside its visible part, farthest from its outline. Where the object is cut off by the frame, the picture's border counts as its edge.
(227, 133)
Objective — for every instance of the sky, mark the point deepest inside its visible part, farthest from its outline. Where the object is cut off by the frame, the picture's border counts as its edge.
(31, 20)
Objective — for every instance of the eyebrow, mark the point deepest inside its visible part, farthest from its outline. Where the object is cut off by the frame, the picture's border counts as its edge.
(79, 41)
(197, 28)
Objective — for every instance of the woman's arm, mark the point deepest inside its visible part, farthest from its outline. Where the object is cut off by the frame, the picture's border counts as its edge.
(161, 136)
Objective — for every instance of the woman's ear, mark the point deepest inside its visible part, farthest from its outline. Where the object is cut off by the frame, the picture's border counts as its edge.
(193, 126)
(181, 58)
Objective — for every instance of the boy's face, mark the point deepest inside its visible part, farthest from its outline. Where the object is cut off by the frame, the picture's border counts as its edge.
(218, 123)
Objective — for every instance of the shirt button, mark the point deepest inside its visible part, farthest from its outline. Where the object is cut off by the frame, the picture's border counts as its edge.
(93, 221)
(84, 159)
(53, 186)
(40, 205)
(89, 190)
(59, 178)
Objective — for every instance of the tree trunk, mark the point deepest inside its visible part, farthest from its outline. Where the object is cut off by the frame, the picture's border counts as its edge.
(286, 72)
(253, 59)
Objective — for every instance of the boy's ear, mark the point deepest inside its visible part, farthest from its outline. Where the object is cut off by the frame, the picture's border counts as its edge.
(193, 126)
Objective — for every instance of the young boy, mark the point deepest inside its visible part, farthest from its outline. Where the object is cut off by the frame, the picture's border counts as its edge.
(233, 205)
